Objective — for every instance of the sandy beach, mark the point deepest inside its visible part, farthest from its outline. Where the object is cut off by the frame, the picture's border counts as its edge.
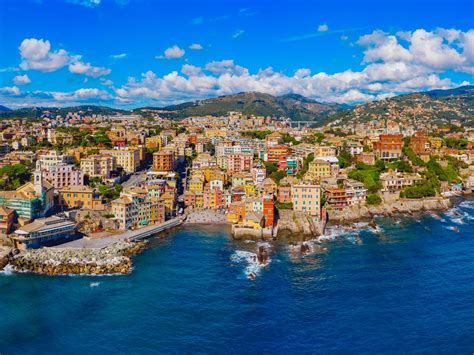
(206, 217)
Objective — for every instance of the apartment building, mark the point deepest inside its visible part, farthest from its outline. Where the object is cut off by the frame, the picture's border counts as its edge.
(128, 159)
(307, 198)
(163, 161)
(98, 166)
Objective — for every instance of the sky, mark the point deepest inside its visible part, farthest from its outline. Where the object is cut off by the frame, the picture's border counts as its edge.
(132, 53)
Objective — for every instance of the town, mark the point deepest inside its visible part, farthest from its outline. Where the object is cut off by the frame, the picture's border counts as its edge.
(93, 176)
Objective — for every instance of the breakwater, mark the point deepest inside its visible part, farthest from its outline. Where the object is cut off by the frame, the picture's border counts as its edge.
(113, 259)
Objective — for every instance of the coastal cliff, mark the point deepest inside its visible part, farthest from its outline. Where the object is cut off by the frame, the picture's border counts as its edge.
(114, 259)
(402, 206)
(297, 225)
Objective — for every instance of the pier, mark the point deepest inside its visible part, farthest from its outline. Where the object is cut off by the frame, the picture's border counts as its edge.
(132, 235)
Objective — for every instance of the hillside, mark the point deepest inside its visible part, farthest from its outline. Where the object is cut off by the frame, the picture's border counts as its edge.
(437, 106)
(296, 107)
(37, 112)
(4, 109)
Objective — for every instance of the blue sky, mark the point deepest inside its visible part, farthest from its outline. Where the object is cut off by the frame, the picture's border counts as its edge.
(142, 52)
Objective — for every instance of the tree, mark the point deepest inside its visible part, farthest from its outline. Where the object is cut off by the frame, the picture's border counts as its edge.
(373, 199)
(278, 175)
(270, 167)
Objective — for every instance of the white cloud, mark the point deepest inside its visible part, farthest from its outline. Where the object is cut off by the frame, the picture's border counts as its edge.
(195, 46)
(118, 56)
(10, 90)
(36, 54)
(21, 80)
(173, 52)
(191, 70)
(237, 34)
(86, 3)
(392, 64)
(226, 66)
(344, 38)
(323, 27)
(88, 69)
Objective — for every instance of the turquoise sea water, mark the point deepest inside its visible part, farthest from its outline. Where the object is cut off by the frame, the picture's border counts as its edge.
(408, 287)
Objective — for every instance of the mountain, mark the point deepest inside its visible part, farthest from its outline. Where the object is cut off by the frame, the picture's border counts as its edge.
(296, 107)
(4, 109)
(37, 112)
(437, 106)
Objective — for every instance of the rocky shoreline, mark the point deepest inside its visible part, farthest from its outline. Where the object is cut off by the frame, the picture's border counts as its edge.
(114, 259)
(397, 208)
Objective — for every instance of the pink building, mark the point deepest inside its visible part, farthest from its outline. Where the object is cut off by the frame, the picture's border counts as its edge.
(239, 162)
(62, 175)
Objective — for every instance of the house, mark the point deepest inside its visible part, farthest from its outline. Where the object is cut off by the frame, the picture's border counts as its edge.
(44, 232)
(81, 196)
(389, 146)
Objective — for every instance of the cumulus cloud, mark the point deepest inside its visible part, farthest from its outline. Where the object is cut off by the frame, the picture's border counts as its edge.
(13, 97)
(10, 90)
(21, 80)
(36, 54)
(195, 46)
(392, 64)
(323, 27)
(173, 52)
(88, 69)
(433, 51)
(191, 70)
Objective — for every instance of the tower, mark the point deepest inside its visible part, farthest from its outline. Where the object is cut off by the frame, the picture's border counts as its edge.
(38, 179)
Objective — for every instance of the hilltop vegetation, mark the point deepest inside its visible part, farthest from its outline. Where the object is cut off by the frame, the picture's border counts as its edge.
(296, 107)
(437, 106)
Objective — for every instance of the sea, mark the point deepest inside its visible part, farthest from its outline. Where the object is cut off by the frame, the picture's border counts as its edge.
(405, 286)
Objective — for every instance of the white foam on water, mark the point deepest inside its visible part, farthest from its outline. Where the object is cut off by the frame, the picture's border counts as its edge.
(452, 228)
(7, 270)
(94, 284)
(253, 267)
(456, 216)
(467, 204)
(437, 217)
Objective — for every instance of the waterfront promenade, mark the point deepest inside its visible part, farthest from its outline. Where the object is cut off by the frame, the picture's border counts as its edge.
(132, 235)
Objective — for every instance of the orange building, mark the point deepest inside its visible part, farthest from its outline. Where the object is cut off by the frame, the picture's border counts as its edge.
(389, 146)
(419, 143)
(276, 152)
(163, 161)
(269, 211)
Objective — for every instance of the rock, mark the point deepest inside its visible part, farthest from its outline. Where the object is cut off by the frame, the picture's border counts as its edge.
(55, 261)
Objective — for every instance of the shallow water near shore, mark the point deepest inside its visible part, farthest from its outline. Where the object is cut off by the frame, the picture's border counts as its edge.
(406, 286)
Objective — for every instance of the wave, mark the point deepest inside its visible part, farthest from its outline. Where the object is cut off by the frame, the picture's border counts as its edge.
(7, 270)
(94, 284)
(253, 268)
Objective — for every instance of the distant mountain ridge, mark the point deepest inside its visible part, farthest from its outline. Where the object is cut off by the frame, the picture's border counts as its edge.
(296, 107)
(456, 103)
(440, 106)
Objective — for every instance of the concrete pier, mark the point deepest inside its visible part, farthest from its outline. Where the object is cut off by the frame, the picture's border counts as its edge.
(132, 235)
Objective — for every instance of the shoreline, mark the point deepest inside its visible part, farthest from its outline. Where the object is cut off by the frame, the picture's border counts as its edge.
(115, 259)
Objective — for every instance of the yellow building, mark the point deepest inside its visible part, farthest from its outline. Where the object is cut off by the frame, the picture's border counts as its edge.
(196, 184)
(79, 197)
(128, 159)
(214, 132)
(318, 169)
(154, 142)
